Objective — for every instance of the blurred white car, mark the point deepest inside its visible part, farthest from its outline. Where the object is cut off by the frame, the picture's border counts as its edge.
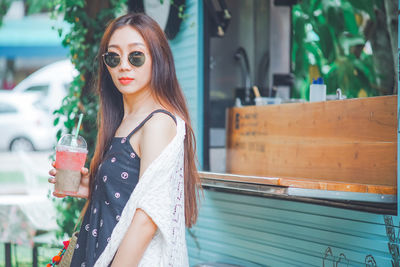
(26, 119)
(50, 83)
(24, 125)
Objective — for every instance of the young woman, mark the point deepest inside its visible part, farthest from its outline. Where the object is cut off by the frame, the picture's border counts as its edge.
(142, 187)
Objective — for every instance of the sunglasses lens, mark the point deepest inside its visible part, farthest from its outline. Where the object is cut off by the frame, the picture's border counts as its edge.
(136, 58)
(111, 59)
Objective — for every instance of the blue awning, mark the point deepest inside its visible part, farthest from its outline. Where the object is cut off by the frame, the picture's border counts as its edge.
(32, 36)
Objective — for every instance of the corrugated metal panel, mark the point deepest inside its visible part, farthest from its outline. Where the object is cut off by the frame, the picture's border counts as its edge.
(271, 232)
(188, 61)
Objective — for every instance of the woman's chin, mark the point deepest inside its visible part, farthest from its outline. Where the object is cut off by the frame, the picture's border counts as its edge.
(128, 90)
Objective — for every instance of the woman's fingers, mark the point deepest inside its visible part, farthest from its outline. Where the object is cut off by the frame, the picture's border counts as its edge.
(84, 182)
(52, 180)
(84, 171)
(53, 172)
(85, 177)
(82, 193)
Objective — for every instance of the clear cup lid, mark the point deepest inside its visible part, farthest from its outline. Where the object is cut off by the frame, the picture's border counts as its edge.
(69, 141)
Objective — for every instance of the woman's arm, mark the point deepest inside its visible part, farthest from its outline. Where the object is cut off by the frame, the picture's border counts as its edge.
(136, 240)
(156, 135)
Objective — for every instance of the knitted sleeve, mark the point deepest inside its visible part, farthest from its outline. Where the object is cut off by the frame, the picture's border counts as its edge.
(159, 193)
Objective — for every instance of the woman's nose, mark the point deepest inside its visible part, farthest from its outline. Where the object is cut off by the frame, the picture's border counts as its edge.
(125, 65)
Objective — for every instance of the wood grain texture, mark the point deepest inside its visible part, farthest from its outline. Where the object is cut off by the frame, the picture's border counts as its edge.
(302, 183)
(351, 141)
(240, 178)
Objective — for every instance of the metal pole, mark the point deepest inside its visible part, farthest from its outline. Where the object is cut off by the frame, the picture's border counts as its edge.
(8, 254)
(35, 256)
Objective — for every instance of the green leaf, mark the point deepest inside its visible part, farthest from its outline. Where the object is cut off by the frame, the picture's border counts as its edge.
(364, 5)
(56, 121)
(334, 15)
(58, 135)
(346, 42)
(69, 124)
(327, 41)
(364, 69)
(349, 19)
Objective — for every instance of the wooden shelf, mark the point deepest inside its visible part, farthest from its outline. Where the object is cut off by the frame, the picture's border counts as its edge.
(302, 183)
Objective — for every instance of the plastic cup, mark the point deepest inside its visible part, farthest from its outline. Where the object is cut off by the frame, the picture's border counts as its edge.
(70, 158)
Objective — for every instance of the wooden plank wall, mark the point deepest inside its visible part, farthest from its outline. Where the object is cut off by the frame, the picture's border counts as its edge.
(257, 231)
(351, 140)
(188, 52)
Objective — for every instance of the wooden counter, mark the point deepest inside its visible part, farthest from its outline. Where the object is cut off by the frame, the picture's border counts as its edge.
(344, 145)
(301, 183)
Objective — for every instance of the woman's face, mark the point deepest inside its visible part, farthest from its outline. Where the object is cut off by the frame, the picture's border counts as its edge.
(129, 79)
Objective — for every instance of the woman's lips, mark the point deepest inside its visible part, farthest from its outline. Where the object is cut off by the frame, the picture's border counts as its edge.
(125, 80)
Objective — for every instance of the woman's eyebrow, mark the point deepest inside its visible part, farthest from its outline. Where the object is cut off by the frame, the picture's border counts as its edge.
(135, 44)
(113, 46)
(131, 44)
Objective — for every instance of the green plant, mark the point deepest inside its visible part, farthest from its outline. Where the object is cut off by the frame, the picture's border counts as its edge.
(333, 39)
(88, 20)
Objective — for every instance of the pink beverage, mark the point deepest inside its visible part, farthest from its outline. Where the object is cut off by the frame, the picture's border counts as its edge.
(70, 158)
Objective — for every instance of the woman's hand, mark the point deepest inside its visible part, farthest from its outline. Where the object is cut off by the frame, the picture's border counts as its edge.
(83, 191)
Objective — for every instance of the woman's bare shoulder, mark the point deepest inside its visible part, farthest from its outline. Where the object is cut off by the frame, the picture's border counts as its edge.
(157, 133)
(161, 125)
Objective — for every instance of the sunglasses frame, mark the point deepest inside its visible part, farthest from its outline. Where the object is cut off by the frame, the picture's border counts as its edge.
(129, 59)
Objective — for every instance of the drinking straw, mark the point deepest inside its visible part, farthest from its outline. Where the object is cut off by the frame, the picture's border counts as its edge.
(256, 91)
(79, 126)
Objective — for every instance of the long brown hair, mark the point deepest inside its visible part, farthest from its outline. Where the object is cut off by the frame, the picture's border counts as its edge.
(166, 90)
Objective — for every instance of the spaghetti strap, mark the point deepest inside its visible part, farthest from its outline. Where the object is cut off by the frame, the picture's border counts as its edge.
(148, 118)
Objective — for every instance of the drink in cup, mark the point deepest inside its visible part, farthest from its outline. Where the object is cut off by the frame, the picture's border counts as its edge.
(71, 154)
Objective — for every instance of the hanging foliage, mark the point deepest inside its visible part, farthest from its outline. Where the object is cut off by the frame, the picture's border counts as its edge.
(88, 20)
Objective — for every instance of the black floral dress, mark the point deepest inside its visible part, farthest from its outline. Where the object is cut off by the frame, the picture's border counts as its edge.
(115, 181)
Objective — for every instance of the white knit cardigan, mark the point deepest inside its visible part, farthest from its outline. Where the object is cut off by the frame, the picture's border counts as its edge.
(160, 193)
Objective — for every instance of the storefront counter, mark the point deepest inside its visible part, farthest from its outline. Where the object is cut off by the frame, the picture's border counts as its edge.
(370, 198)
(338, 151)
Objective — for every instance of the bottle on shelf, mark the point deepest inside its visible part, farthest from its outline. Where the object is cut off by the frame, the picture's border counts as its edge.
(318, 90)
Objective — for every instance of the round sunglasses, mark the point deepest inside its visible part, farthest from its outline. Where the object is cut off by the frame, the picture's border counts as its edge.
(135, 58)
